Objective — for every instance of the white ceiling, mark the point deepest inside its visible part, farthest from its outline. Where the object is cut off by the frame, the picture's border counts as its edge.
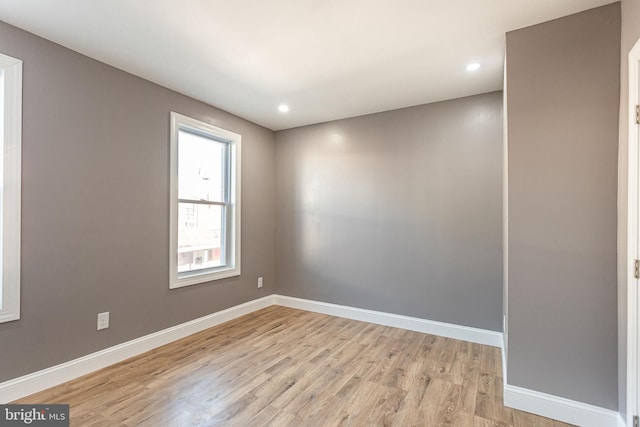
(326, 59)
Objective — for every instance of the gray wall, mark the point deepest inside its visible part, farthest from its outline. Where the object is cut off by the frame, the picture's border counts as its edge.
(630, 35)
(95, 214)
(563, 96)
(397, 211)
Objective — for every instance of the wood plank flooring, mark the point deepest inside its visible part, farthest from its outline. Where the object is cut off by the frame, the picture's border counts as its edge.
(285, 367)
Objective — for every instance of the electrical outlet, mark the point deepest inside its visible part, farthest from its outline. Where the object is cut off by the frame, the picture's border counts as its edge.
(103, 320)
(259, 282)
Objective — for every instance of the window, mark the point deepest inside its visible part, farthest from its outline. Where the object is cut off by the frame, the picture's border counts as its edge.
(10, 176)
(205, 202)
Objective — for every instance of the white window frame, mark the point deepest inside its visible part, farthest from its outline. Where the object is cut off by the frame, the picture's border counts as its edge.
(176, 279)
(10, 188)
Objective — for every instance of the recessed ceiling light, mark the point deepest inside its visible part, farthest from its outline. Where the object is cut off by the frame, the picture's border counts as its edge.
(472, 67)
(283, 108)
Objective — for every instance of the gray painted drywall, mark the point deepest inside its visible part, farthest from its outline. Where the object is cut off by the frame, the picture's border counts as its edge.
(563, 97)
(630, 35)
(95, 197)
(397, 211)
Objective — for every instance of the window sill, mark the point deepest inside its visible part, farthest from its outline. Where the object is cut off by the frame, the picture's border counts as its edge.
(196, 278)
(8, 317)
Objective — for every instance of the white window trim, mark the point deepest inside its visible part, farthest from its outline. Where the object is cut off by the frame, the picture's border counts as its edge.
(11, 196)
(176, 280)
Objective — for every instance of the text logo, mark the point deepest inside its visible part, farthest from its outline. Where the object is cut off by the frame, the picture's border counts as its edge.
(34, 415)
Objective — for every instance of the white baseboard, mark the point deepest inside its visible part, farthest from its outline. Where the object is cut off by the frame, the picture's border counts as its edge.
(32, 383)
(559, 408)
(621, 422)
(531, 401)
(519, 398)
(41, 380)
(464, 333)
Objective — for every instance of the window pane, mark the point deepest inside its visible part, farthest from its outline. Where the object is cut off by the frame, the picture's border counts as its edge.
(200, 236)
(201, 169)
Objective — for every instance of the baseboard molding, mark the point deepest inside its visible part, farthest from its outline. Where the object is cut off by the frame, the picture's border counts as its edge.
(559, 408)
(448, 330)
(621, 421)
(32, 383)
(515, 397)
(41, 380)
(546, 405)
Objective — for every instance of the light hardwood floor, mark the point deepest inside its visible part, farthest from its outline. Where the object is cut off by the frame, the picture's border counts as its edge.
(285, 367)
